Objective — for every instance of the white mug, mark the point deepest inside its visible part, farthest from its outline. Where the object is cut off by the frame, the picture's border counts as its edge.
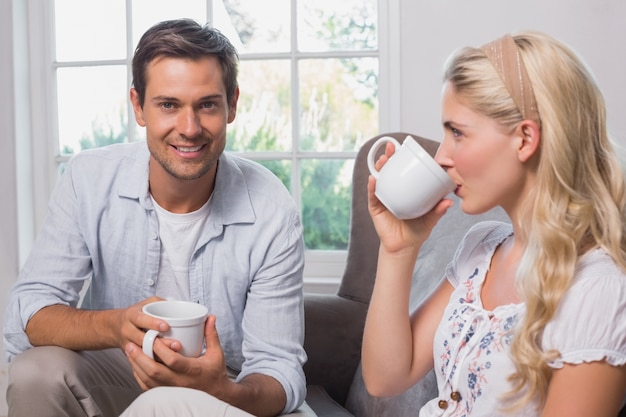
(186, 320)
(411, 182)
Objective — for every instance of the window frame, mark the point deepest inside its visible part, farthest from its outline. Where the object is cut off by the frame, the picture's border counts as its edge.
(323, 269)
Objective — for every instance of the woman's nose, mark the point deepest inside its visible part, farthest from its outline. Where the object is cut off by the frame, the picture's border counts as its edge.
(443, 155)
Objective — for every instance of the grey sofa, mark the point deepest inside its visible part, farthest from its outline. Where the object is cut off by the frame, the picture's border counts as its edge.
(334, 323)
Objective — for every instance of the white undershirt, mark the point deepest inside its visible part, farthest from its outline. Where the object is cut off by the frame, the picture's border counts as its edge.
(179, 234)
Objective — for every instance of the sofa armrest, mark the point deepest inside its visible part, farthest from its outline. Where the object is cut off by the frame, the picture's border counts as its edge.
(333, 336)
(323, 405)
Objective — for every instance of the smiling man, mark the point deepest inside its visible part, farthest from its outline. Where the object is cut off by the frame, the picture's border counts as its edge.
(174, 217)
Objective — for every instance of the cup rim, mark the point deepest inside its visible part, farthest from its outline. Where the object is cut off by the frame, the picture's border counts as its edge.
(201, 314)
(430, 163)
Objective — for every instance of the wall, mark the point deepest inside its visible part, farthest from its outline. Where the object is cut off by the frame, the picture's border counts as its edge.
(432, 29)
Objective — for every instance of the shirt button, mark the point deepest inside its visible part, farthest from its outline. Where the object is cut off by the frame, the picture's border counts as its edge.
(443, 404)
(154, 236)
(150, 282)
(455, 396)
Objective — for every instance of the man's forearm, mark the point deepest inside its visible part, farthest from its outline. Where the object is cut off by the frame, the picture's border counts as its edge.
(71, 328)
(260, 395)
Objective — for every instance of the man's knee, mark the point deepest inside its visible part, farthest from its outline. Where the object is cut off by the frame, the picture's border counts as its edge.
(44, 366)
(181, 402)
(44, 371)
(160, 398)
(70, 383)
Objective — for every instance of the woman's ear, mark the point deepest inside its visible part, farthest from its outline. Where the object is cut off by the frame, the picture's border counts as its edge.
(530, 138)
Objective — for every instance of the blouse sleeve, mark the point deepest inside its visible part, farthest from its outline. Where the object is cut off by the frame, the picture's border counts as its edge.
(590, 323)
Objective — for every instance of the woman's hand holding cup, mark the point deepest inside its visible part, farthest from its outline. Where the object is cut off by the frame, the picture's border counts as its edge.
(406, 192)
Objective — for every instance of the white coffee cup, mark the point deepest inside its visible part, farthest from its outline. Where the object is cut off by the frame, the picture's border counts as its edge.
(186, 320)
(411, 182)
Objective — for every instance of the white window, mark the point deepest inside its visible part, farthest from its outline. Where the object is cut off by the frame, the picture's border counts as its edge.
(311, 77)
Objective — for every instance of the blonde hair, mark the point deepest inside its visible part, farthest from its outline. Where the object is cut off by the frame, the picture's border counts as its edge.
(579, 199)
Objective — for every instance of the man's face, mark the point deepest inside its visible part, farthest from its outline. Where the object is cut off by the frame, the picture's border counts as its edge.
(185, 114)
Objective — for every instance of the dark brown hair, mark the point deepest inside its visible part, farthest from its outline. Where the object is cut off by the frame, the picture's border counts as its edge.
(184, 38)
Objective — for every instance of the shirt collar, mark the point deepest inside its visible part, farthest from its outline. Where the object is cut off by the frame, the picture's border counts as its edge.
(231, 198)
(135, 173)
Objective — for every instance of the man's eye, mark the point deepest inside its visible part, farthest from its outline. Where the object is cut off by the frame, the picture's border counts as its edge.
(208, 105)
(455, 132)
(167, 105)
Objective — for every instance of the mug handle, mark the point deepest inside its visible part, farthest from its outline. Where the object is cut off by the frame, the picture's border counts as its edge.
(148, 343)
(371, 164)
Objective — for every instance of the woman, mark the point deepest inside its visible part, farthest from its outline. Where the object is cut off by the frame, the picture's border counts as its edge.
(531, 318)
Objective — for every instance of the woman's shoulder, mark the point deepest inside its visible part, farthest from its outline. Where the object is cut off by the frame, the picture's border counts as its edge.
(598, 261)
(597, 276)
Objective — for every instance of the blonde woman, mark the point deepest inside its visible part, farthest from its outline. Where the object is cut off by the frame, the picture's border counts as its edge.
(530, 319)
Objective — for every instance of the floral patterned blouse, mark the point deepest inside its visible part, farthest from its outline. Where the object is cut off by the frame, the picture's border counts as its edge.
(472, 344)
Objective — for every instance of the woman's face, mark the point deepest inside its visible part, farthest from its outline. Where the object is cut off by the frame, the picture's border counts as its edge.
(480, 157)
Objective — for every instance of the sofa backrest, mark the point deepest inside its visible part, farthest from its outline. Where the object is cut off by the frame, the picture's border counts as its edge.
(358, 279)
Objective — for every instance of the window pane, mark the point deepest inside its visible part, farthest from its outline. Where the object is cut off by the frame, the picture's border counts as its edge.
(255, 26)
(92, 107)
(329, 25)
(326, 192)
(148, 12)
(339, 103)
(263, 121)
(90, 30)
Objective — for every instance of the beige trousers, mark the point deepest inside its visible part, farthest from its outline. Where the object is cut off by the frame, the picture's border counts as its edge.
(52, 381)
(186, 402)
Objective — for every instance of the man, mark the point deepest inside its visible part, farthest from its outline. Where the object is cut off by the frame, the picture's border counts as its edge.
(174, 217)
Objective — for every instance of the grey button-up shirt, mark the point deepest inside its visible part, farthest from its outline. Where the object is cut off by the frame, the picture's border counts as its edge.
(246, 268)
